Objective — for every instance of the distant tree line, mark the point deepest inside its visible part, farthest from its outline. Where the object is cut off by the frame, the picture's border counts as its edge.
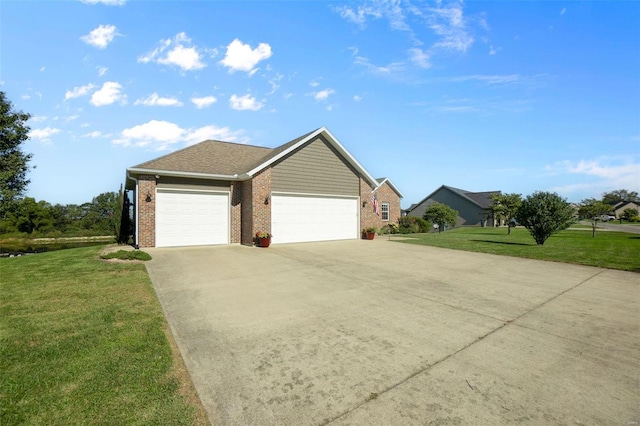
(26, 217)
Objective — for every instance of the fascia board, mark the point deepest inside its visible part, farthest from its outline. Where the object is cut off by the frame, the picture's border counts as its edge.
(194, 175)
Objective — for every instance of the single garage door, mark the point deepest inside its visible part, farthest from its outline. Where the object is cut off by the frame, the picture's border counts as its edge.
(297, 219)
(191, 218)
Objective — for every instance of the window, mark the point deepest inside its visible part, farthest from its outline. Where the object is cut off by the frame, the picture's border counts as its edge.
(384, 208)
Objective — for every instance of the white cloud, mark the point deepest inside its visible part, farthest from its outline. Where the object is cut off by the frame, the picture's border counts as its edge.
(240, 56)
(314, 83)
(102, 71)
(38, 118)
(26, 96)
(420, 57)
(450, 24)
(357, 98)
(323, 95)
(43, 135)
(78, 91)
(106, 2)
(389, 69)
(204, 101)
(604, 173)
(95, 134)
(359, 14)
(178, 51)
(493, 50)
(563, 11)
(246, 102)
(162, 135)
(42, 69)
(101, 36)
(108, 94)
(155, 100)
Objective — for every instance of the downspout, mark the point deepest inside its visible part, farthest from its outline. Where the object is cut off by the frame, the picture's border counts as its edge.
(135, 200)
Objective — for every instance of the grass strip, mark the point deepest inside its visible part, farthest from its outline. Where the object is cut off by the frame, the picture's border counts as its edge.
(83, 341)
(614, 250)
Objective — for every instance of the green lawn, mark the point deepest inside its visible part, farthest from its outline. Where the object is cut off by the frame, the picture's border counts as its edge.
(615, 250)
(82, 341)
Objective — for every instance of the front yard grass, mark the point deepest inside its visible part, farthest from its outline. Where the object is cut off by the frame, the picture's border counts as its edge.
(614, 250)
(84, 341)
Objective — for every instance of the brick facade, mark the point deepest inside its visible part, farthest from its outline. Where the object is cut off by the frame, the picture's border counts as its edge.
(146, 211)
(385, 194)
(261, 202)
(235, 219)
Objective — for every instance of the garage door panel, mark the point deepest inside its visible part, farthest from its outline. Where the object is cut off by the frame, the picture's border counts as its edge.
(185, 218)
(301, 218)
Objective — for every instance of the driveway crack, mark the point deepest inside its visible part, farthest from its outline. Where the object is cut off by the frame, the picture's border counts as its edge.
(443, 359)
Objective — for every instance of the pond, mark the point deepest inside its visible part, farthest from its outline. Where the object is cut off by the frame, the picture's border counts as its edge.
(17, 247)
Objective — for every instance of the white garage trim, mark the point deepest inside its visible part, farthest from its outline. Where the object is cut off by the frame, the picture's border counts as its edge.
(311, 217)
(191, 217)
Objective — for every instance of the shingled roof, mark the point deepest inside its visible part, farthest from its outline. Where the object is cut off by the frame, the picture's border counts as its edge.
(481, 199)
(232, 161)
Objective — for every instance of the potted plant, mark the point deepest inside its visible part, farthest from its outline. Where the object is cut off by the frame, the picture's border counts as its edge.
(369, 233)
(263, 239)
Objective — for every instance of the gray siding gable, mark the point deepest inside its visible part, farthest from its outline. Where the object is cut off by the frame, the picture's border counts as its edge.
(315, 168)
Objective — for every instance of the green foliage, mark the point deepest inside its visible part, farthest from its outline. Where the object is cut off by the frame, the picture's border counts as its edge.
(591, 210)
(127, 255)
(99, 217)
(389, 228)
(13, 162)
(629, 215)
(544, 214)
(505, 206)
(620, 195)
(413, 225)
(441, 214)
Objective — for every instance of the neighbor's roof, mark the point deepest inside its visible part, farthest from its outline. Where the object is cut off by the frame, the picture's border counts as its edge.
(233, 161)
(481, 199)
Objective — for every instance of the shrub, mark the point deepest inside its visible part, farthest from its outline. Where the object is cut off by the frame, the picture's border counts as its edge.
(544, 214)
(127, 255)
(413, 225)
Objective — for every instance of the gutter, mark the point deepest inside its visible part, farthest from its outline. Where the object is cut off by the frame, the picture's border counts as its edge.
(194, 175)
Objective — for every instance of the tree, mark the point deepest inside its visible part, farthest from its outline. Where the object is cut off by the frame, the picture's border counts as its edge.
(544, 214)
(441, 214)
(13, 162)
(618, 195)
(629, 214)
(591, 209)
(505, 206)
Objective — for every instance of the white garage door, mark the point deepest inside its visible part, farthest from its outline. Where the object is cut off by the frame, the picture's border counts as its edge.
(191, 218)
(309, 218)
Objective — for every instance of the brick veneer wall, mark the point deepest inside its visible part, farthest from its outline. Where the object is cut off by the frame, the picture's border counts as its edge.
(146, 211)
(246, 222)
(261, 207)
(236, 212)
(385, 195)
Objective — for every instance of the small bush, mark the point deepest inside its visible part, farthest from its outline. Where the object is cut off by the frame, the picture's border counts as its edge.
(413, 225)
(127, 255)
(389, 228)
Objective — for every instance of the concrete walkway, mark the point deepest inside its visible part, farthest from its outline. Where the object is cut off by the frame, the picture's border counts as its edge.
(384, 333)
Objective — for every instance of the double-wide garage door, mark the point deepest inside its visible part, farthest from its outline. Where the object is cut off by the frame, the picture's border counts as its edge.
(297, 218)
(191, 218)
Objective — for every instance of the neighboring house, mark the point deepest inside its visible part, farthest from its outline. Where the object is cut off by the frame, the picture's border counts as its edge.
(472, 207)
(621, 206)
(309, 189)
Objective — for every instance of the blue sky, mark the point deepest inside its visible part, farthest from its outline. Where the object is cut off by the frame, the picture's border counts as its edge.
(512, 96)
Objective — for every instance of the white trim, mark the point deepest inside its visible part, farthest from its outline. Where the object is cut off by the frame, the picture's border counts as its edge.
(382, 211)
(307, 194)
(194, 175)
(395, 188)
(332, 140)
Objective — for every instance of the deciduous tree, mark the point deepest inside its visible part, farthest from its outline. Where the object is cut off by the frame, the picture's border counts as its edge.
(441, 214)
(619, 195)
(14, 164)
(505, 206)
(591, 210)
(544, 214)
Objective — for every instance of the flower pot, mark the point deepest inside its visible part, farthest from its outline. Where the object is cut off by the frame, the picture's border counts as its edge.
(264, 242)
(369, 235)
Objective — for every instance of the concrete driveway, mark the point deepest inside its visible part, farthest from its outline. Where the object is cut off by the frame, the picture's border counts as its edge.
(379, 332)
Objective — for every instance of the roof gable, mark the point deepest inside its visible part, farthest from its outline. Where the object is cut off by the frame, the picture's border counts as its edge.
(227, 160)
(481, 199)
